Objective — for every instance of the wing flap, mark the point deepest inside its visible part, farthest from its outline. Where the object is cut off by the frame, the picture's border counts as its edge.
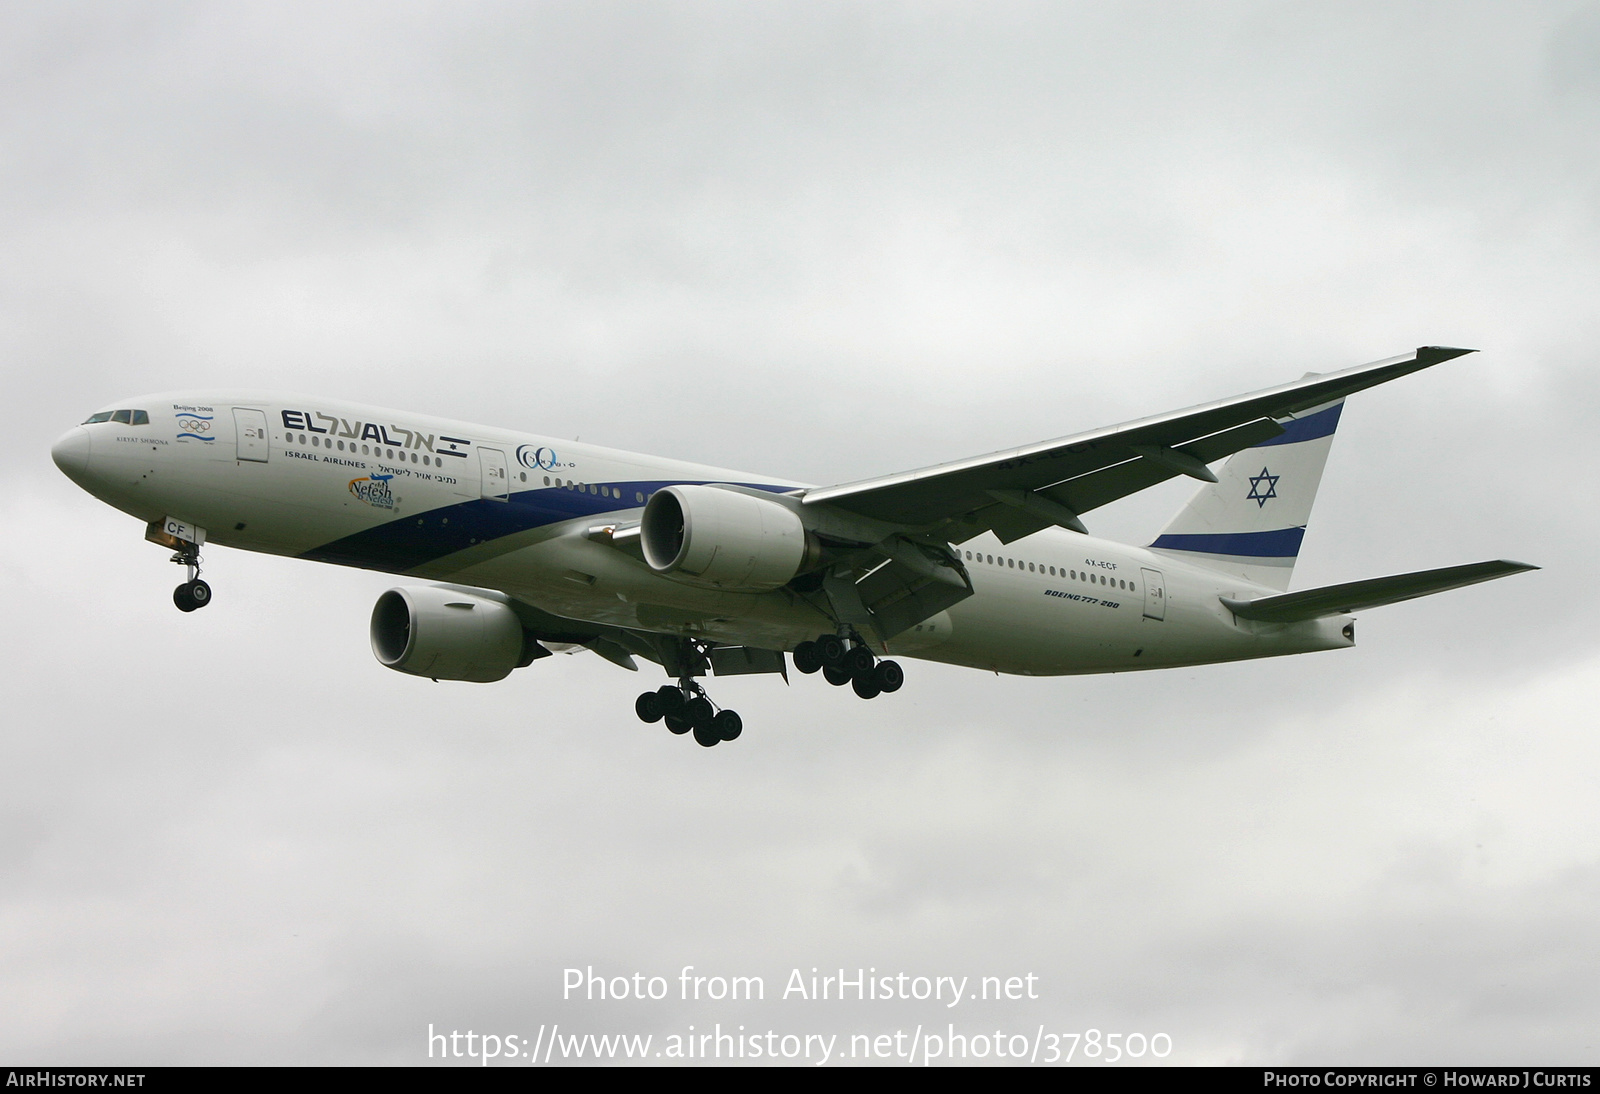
(1374, 592)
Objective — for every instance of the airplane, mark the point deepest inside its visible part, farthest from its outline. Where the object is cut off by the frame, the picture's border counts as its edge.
(525, 546)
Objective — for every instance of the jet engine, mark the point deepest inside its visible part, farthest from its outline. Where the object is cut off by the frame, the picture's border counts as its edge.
(447, 634)
(723, 538)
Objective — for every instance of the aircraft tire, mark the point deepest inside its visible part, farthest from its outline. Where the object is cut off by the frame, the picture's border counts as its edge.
(860, 662)
(806, 658)
(728, 725)
(831, 648)
(648, 707)
(672, 699)
(889, 676)
(705, 736)
(200, 593)
(678, 724)
(865, 686)
(699, 712)
(183, 597)
(836, 676)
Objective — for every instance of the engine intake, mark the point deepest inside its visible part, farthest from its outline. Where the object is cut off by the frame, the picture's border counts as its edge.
(446, 634)
(725, 539)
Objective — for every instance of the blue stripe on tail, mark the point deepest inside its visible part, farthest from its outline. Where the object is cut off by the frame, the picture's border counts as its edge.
(1282, 543)
(1320, 424)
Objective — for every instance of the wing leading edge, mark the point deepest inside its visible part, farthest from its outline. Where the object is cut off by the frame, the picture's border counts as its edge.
(1019, 491)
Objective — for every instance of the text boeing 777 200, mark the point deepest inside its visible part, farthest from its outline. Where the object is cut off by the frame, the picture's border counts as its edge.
(548, 545)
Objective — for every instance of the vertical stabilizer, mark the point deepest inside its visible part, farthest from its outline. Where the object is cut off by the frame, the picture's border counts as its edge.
(1251, 521)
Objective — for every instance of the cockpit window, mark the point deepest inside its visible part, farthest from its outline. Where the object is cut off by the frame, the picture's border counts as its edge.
(125, 417)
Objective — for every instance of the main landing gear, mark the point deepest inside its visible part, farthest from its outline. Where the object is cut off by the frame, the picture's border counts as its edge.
(854, 664)
(686, 708)
(193, 593)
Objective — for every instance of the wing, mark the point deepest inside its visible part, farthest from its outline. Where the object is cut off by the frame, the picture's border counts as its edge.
(1022, 490)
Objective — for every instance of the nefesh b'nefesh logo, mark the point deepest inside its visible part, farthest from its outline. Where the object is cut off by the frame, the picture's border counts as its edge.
(374, 491)
(541, 459)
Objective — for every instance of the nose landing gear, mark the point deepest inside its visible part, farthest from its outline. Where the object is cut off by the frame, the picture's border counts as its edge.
(194, 593)
(184, 539)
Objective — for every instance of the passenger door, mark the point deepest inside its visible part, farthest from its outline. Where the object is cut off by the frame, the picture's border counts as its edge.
(1155, 595)
(250, 426)
(496, 478)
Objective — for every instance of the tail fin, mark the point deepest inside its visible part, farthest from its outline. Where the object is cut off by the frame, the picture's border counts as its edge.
(1251, 521)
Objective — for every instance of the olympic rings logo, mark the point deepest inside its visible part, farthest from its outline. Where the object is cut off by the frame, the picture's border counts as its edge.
(194, 425)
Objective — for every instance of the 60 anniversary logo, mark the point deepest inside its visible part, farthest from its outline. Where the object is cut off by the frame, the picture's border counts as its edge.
(537, 458)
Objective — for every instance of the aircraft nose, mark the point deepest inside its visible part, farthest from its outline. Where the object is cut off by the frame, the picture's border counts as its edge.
(71, 453)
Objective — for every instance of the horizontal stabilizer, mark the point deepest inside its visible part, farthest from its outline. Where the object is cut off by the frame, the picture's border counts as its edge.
(1375, 592)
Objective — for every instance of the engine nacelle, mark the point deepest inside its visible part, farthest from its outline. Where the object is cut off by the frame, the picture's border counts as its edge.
(446, 634)
(724, 538)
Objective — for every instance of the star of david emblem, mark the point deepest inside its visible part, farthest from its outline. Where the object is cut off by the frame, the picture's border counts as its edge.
(1257, 494)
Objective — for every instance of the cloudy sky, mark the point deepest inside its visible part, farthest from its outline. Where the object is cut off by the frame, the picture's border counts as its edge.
(820, 240)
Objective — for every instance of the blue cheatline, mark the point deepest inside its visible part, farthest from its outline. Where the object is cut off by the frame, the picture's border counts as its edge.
(411, 541)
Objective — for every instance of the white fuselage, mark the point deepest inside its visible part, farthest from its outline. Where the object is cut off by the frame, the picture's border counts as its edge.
(496, 509)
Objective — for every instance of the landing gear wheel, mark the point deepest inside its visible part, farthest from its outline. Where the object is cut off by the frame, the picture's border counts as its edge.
(888, 676)
(183, 597)
(836, 676)
(699, 711)
(677, 724)
(865, 686)
(831, 648)
(648, 707)
(806, 658)
(860, 662)
(672, 700)
(728, 725)
(706, 735)
(200, 593)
